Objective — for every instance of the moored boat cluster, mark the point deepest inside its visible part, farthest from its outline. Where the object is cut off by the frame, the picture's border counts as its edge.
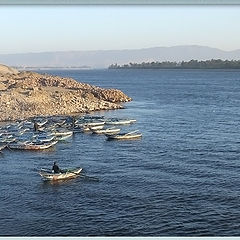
(40, 133)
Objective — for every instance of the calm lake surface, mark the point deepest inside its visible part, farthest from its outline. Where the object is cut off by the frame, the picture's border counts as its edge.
(180, 179)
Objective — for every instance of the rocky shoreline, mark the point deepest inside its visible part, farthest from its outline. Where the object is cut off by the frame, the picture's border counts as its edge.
(28, 94)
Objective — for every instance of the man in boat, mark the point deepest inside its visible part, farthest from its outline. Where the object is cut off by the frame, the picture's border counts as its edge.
(35, 125)
(73, 122)
(55, 168)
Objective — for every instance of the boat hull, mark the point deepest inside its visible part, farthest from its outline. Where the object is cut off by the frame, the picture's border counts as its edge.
(29, 146)
(107, 131)
(120, 122)
(46, 175)
(124, 137)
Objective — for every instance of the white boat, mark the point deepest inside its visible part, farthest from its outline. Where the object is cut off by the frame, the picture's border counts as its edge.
(95, 127)
(43, 137)
(31, 145)
(92, 117)
(108, 131)
(62, 133)
(66, 174)
(63, 137)
(115, 121)
(41, 123)
(125, 136)
(98, 127)
(87, 127)
(92, 124)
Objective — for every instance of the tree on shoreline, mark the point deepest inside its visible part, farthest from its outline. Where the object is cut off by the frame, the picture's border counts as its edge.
(192, 64)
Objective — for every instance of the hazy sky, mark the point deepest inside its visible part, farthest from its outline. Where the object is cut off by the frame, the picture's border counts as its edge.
(61, 28)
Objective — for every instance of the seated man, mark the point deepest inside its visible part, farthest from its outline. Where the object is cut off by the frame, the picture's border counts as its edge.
(55, 168)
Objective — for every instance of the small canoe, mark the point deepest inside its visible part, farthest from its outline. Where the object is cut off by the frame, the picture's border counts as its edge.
(63, 137)
(120, 121)
(93, 124)
(42, 123)
(125, 136)
(66, 174)
(62, 133)
(108, 131)
(96, 127)
(44, 139)
(88, 127)
(88, 117)
(31, 145)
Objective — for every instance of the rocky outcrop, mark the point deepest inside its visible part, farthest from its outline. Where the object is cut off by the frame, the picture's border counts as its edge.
(7, 70)
(28, 94)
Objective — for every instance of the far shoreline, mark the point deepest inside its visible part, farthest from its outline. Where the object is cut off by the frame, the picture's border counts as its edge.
(192, 64)
(95, 69)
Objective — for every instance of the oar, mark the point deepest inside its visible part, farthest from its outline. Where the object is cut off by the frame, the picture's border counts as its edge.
(2, 147)
(9, 148)
(43, 169)
(81, 174)
(89, 177)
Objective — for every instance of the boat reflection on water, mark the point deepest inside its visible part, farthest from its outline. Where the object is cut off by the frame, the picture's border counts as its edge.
(59, 182)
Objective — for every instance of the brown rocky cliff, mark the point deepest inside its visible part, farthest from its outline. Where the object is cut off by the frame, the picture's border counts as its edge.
(28, 94)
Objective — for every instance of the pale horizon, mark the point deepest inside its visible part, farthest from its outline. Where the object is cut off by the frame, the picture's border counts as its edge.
(37, 29)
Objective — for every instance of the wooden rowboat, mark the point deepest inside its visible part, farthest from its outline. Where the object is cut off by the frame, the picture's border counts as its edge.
(120, 121)
(93, 124)
(66, 174)
(125, 136)
(108, 131)
(62, 133)
(63, 137)
(98, 127)
(31, 145)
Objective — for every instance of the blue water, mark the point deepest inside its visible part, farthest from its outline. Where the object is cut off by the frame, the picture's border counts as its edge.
(180, 179)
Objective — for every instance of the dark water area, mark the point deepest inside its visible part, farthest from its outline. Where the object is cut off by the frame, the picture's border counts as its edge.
(180, 179)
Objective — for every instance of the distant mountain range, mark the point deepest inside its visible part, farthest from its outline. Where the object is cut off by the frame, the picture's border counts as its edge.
(104, 58)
